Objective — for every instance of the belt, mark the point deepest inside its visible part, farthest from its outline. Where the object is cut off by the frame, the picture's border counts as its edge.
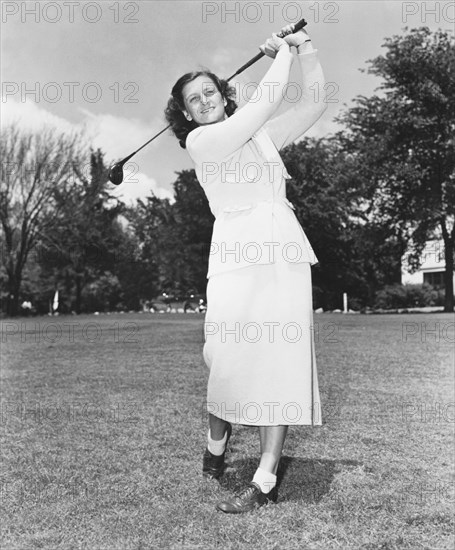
(239, 208)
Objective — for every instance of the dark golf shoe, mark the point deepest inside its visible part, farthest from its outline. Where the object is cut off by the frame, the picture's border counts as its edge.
(213, 465)
(248, 499)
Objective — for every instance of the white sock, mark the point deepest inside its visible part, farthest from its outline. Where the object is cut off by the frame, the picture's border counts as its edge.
(216, 447)
(265, 480)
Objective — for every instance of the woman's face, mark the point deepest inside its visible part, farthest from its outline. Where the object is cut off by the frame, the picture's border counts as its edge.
(203, 101)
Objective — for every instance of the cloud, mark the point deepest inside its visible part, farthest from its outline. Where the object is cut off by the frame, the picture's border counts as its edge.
(117, 136)
(114, 135)
(31, 117)
(324, 127)
(138, 186)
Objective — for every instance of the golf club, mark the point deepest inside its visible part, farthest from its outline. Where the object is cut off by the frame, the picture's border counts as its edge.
(116, 171)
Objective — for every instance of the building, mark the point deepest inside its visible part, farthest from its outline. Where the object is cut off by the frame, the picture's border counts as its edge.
(431, 269)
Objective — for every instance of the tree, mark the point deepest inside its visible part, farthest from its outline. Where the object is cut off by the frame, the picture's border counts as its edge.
(154, 228)
(195, 222)
(322, 208)
(83, 242)
(33, 165)
(175, 237)
(402, 142)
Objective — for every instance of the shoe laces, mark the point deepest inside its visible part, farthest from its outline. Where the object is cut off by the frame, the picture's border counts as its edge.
(247, 491)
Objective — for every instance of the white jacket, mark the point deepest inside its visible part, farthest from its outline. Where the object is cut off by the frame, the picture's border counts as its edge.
(239, 167)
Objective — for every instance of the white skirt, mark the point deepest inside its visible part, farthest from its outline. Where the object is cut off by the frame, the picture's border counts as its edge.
(259, 346)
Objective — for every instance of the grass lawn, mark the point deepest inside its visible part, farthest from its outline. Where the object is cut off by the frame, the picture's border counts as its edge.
(104, 425)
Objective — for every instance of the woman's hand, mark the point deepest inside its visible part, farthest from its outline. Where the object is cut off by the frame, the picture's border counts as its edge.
(273, 45)
(296, 39)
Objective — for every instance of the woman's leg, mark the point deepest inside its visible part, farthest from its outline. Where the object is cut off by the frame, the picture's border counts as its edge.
(217, 438)
(217, 426)
(272, 441)
(264, 480)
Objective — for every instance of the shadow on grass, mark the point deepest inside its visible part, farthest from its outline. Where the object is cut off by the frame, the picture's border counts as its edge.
(298, 479)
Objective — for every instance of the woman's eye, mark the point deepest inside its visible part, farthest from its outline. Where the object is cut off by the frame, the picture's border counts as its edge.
(210, 92)
(194, 99)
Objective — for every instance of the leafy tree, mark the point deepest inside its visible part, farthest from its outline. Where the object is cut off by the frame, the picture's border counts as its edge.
(83, 243)
(375, 260)
(195, 220)
(175, 237)
(322, 208)
(402, 142)
(154, 227)
(135, 272)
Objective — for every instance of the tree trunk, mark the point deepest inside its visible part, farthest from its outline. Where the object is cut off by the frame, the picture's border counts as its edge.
(448, 274)
(78, 294)
(12, 301)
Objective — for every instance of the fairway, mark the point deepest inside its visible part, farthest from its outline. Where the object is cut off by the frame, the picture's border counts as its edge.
(104, 426)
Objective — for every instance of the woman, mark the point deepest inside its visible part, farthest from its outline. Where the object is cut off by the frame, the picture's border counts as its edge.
(259, 342)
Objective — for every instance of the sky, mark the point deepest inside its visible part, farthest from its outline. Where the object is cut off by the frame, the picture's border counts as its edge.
(107, 67)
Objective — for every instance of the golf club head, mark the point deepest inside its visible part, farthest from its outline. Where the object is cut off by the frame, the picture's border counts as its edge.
(116, 173)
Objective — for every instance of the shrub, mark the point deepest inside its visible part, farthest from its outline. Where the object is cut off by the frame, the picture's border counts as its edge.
(403, 296)
(103, 294)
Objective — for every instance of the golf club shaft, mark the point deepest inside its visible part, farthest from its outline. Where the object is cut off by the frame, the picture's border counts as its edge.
(302, 23)
(146, 143)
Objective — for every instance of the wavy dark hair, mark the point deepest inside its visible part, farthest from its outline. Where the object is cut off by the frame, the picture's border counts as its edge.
(180, 125)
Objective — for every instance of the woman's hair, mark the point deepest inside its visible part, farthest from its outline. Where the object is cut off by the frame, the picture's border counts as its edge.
(180, 125)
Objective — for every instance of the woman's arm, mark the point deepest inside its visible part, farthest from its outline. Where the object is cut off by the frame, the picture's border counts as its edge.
(287, 127)
(219, 140)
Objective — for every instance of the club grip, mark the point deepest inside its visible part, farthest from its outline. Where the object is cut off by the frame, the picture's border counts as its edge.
(299, 25)
(302, 23)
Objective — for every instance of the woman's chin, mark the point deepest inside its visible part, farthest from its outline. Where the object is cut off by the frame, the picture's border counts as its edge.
(212, 118)
(214, 121)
